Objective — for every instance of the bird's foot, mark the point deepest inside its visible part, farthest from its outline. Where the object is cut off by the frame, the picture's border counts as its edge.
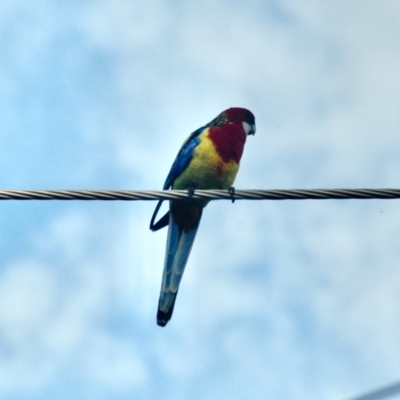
(231, 191)
(190, 190)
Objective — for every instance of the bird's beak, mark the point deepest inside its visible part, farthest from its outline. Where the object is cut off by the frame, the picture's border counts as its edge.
(249, 129)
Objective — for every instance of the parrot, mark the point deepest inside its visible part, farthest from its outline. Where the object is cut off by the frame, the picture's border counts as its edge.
(208, 159)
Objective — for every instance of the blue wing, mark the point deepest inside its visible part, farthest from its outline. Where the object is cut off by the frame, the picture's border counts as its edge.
(182, 160)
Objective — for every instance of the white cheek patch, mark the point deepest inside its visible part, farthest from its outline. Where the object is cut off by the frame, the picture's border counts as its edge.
(248, 128)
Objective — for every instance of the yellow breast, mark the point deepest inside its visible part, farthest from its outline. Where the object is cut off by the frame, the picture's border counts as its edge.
(207, 170)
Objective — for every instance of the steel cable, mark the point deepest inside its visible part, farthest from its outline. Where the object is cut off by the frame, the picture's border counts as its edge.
(109, 195)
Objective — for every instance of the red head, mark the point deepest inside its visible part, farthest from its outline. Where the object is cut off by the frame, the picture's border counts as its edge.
(234, 115)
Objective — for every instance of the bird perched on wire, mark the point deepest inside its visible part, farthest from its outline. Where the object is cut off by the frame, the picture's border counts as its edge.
(208, 159)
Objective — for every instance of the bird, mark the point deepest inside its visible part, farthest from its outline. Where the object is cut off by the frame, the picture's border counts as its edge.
(208, 159)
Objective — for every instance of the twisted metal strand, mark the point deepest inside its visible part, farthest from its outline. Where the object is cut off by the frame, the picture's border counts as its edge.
(382, 393)
(295, 194)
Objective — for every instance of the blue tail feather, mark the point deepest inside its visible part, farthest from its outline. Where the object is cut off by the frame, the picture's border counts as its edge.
(179, 244)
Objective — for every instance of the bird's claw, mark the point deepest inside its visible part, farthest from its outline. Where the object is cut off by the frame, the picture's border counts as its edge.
(231, 191)
(190, 190)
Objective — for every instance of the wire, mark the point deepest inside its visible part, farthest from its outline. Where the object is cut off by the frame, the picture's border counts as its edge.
(382, 393)
(231, 194)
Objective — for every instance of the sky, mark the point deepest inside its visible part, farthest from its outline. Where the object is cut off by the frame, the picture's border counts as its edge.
(280, 299)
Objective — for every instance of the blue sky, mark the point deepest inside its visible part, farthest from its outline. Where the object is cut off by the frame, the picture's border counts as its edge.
(280, 300)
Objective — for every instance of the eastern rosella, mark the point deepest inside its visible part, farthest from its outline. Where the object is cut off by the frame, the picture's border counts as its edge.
(208, 159)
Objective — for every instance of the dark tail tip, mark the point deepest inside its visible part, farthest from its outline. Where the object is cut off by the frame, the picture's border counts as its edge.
(164, 317)
(161, 321)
